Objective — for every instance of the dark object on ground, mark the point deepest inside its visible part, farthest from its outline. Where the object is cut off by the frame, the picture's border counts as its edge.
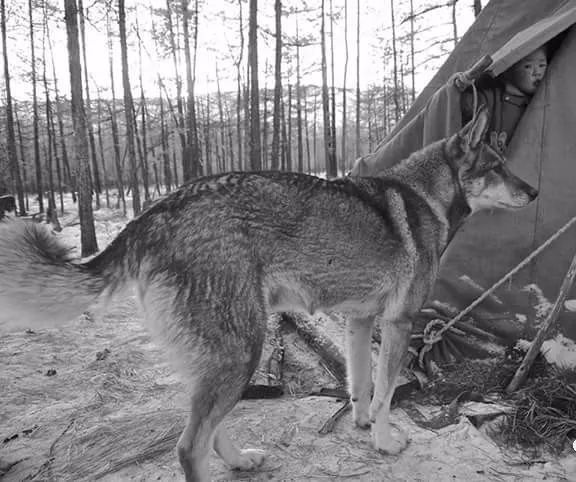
(262, 391)
(7, 204)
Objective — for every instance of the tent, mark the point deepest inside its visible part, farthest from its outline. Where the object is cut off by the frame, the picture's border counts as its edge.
(542, 151)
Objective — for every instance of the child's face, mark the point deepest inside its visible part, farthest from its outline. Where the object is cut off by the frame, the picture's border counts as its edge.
(527, 74)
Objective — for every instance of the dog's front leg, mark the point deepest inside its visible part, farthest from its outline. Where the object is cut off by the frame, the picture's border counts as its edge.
(359, 343)
(395, 340)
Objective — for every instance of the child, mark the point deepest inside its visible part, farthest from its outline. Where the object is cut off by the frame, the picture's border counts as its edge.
(506, 96)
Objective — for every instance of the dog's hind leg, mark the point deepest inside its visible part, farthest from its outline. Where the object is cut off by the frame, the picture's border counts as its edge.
(359, 345)
(221, 362)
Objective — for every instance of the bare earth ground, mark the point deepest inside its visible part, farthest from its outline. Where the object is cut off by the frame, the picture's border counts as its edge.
(96, 399)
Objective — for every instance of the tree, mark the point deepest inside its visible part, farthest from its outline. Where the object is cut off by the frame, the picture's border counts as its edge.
(88, 108)
(357, 78)
(275, 159)
(191, 160)
(344, 154)
(11, 140)
(128, 110)
(329, 142)
(37, 166)
(255, 146)
(477, 7)
(395, 60)
(87, 232)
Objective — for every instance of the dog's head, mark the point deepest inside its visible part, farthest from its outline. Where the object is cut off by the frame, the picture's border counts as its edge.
(483, 175)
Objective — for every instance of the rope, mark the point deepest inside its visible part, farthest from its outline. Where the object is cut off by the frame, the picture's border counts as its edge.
(438, 335)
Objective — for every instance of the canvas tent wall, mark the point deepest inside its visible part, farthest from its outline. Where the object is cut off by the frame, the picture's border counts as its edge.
(543, 152)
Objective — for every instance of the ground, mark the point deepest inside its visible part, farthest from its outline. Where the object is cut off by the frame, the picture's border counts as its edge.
(97, 399)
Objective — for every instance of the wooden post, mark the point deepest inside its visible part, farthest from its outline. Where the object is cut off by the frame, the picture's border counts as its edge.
(524, 367)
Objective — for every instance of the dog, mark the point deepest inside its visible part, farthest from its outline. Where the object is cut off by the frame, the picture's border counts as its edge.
(213, 259)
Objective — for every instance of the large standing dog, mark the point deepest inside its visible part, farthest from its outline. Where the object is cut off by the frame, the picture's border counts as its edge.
(213, 259)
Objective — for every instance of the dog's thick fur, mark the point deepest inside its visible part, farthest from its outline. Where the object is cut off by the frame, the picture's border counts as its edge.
(213, 259)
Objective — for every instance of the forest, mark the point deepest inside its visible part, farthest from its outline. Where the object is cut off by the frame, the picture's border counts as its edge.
(119, 102)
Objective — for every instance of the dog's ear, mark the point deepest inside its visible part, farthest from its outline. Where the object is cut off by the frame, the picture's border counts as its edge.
(474, 132)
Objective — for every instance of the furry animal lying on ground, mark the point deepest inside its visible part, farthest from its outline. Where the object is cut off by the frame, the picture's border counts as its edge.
(212, 260)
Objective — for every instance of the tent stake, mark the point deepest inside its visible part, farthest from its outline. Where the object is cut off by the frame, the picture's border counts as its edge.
(524, 367)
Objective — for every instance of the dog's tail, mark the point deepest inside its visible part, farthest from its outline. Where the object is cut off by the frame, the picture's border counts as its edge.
(40, 284)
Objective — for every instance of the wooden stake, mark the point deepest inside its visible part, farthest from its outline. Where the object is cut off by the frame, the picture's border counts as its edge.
(524, 367)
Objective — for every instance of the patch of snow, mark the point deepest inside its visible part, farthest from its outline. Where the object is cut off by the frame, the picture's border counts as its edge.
(559, 351)
(543, 306)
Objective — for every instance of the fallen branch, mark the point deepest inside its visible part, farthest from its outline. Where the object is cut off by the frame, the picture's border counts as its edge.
(321, 344)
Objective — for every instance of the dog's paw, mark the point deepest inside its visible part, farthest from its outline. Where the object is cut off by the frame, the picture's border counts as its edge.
(391, 440)
(249, 459)
(361, 416)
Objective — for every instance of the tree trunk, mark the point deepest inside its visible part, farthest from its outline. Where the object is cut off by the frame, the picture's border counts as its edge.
(102, 156)
(330, 158)
(299, 105)
(21, 143)
(239, 91)
(143, 138)
(190, 163)
(87, 231)
(88, 108)
(344, 153)
(358, 149)
(395, 60)
(255, 147)
(207, 139)
(275, 159)
(333, 91)
(11, 137)
(477, 7)
(180, 123)
(454, 23)
(164, 143)
(413, 68)
(37, 166)
(288, 142)
(264, 139)
(128, 110)
(68, 175)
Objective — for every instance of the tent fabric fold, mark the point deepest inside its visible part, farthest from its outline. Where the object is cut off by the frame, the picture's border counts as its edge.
(542, 151)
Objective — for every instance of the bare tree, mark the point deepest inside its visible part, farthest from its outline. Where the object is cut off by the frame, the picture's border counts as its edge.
(191, 161)
(180, 124)
(87, 230)
(357, 78)
(238, 64)
(128, 110)
(344, 154)
(88, 108)
(477, 7)
(113, 120)
(395, 60)
(37, 166)
(275, 160)
(454, 23)
(11, 138)
(329, 145)
(255, 146)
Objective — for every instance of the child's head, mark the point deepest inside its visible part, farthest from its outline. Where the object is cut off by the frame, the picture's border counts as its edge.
(525, 76)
